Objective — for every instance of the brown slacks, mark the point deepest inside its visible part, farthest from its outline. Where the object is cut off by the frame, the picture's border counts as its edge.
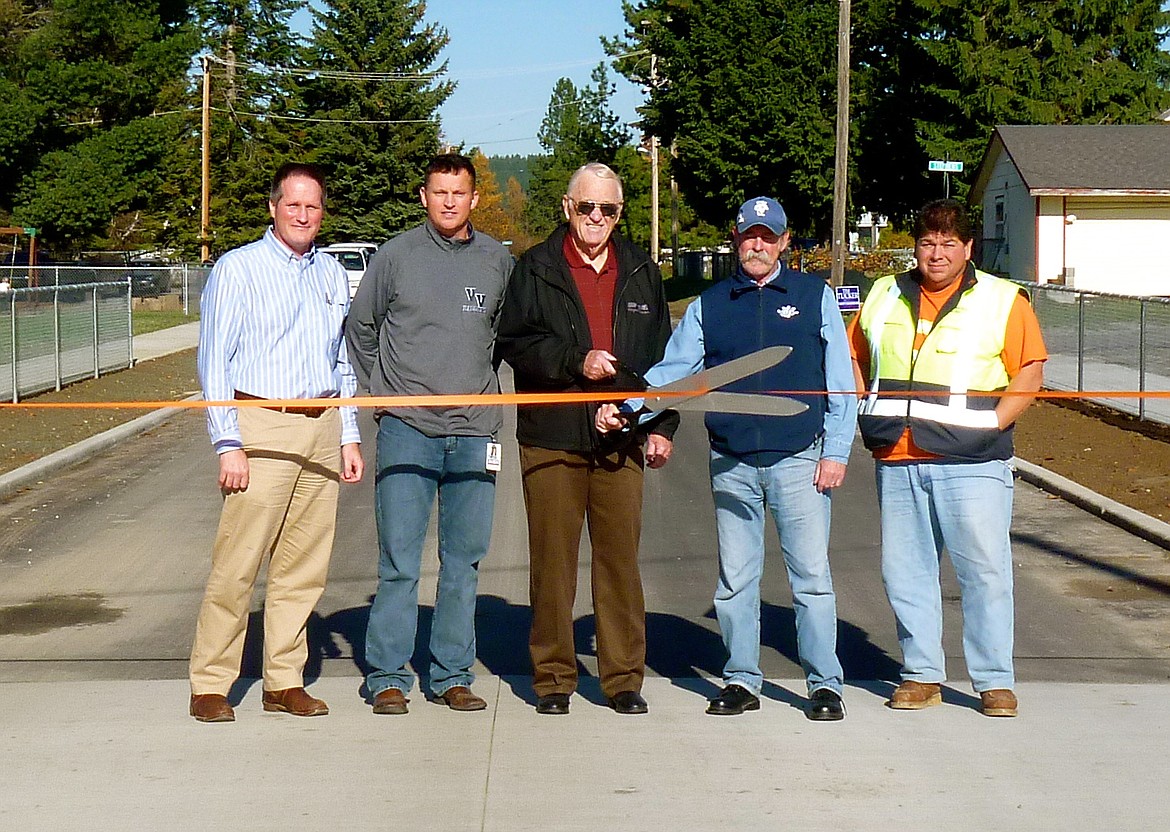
(287, 514)
(561, 490)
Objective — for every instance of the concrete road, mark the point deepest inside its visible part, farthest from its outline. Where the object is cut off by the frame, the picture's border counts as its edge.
(102, 570)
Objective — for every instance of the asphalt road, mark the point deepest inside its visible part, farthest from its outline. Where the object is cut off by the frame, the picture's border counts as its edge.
(102, 570)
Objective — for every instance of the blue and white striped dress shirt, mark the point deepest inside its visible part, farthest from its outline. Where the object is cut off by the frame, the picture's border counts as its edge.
(271, 326)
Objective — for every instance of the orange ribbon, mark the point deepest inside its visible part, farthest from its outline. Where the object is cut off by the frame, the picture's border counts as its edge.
(524, 399)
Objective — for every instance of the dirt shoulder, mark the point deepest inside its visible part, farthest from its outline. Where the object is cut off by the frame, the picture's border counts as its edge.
(27, 434)
(1111, 453)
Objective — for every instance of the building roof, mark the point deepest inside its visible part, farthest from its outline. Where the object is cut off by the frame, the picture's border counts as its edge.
(1097, 159)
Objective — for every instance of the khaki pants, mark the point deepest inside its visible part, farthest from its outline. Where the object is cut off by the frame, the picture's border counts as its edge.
(561, 489)
(287, 515)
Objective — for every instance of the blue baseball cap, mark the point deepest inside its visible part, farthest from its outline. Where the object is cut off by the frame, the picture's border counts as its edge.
(762, 210)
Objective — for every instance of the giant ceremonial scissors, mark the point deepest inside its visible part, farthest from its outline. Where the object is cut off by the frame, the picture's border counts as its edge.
(699, 391)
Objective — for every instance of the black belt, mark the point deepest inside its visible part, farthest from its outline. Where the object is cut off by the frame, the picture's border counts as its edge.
(311, 412)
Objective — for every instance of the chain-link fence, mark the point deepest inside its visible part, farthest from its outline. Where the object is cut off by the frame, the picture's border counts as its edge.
(179, 285)
(53, 335)
(60, 324)
(704, 265)
(1105, 342)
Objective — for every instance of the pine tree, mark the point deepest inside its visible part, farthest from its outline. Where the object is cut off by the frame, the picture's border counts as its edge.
(579, 127)
(252, 50)
(747, 91)
(747, 88)
(375, 169)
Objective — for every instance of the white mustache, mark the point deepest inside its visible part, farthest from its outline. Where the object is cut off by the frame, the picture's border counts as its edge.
(756, 255)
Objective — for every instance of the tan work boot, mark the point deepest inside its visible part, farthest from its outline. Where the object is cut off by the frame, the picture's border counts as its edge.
(914, 696)
(1000, 702)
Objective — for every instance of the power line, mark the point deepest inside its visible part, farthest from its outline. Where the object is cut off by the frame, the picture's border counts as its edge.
(237, 112)
(334, 74)
(347, 75)
(95, 121)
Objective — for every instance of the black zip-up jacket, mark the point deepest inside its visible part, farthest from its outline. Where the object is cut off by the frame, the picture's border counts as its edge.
(544, 336)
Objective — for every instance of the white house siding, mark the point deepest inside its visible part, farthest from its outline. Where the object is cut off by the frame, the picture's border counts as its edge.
(1051, 230)
(1014, 253)
(1116, 244)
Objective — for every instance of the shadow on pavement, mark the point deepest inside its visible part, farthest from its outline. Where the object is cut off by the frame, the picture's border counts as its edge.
(679, 649)
(1046, 544)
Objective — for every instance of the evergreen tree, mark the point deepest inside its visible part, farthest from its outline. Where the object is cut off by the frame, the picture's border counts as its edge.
(747, 91)
(252, 50)
(932, 78)
(375, 169)
(513, 165)
(579, 127)
(634, 168)
(79, 82)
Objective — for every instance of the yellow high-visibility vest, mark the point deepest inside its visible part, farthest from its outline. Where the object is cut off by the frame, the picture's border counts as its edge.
(960, 354)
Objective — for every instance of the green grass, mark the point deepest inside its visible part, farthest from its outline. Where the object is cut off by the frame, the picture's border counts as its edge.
(680, 291)
(147, 321)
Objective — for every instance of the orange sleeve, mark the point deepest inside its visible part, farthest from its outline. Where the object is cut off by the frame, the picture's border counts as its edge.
(1023, 342)
(858, 345)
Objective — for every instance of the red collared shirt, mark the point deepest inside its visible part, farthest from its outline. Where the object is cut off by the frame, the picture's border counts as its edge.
(596, 290)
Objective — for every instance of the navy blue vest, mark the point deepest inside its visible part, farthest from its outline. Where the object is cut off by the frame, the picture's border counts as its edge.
(740, 318)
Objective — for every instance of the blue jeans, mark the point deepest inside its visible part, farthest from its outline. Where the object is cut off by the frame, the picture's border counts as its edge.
(411, 469)
(966, 508)
(742, 493)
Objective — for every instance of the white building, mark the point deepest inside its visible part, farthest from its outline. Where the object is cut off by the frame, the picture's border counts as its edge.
(1088, 205)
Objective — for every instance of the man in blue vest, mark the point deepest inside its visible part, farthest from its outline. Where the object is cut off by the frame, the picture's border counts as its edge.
(787, 466)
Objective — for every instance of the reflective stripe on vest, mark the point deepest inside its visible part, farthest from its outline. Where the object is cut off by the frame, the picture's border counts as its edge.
(961, 353)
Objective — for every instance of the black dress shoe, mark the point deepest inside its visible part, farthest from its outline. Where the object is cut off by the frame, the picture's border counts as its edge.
(554, 703)
(628, 702)
(733, 701)
(825, 706)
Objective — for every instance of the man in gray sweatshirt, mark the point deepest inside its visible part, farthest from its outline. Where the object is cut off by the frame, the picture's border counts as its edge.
(423, 322)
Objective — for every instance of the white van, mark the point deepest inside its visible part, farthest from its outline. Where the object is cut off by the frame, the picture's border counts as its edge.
(353, 257)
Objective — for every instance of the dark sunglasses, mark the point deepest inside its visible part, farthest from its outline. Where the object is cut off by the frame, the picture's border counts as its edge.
(608, 209)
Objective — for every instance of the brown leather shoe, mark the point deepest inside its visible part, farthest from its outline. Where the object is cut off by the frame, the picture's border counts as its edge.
(460, 698)
(390, 701)
(999, 702)
(914, 696)
(295, 701)
(211, 707)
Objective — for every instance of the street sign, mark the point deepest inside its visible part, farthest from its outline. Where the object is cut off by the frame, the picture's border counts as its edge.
(848, 298)
(940, 166)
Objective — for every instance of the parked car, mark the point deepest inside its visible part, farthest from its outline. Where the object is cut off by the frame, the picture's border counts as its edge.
(149, 284)
(353, 257)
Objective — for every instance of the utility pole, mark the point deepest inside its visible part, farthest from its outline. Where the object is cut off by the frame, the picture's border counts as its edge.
(653, 169)
(841, 167)
(673, 208)
(205, 190)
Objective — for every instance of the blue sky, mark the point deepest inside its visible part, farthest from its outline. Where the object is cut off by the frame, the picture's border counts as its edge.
(506, 56)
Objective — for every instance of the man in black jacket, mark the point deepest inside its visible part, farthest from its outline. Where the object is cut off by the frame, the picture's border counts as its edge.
(580, 308)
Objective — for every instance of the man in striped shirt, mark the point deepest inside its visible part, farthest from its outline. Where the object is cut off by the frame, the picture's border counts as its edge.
(271, 328)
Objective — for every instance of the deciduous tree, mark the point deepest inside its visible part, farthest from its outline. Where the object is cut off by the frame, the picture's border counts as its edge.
(79, 83)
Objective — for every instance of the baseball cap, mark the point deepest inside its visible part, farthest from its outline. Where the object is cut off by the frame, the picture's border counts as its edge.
(762, 210)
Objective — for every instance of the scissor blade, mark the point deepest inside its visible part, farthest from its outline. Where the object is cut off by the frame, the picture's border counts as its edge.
(748, 404)
(715, 377)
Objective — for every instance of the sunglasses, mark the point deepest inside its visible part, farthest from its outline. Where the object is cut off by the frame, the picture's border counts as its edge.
(608, 209)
